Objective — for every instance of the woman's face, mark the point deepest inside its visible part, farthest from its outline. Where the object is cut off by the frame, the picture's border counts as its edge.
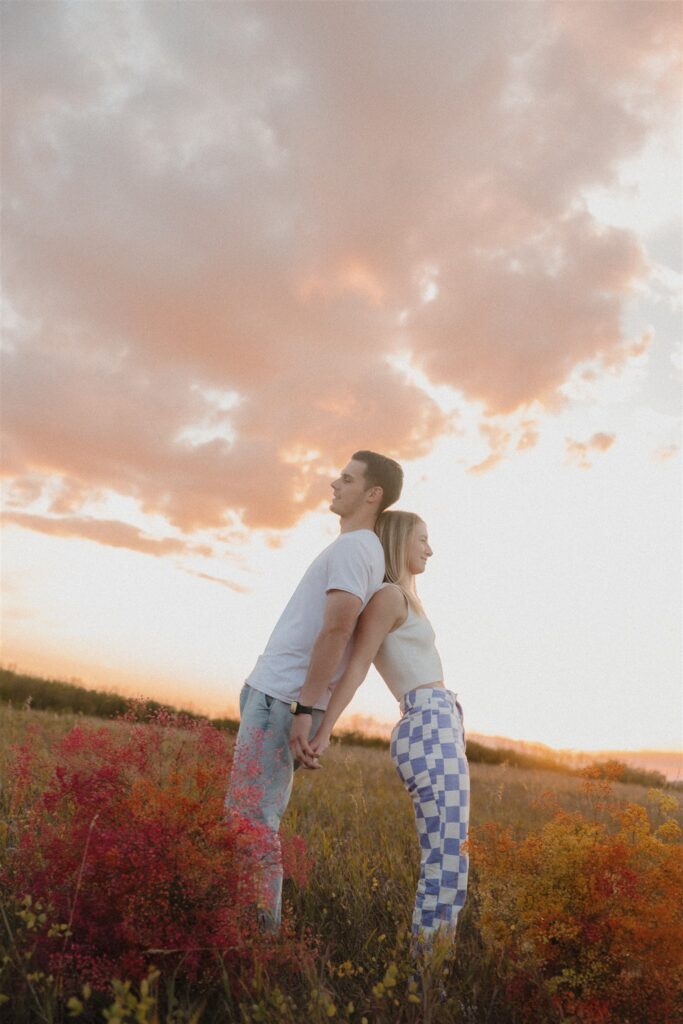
(418, 549)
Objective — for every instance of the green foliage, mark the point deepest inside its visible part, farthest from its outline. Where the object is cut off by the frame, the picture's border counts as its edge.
(230, 725)
(30, 691)
(55, 695)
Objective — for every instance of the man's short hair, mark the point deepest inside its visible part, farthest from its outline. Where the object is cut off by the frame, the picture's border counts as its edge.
(381, 471)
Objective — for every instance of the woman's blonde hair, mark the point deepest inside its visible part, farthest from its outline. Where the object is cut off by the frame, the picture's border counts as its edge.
(393, 529)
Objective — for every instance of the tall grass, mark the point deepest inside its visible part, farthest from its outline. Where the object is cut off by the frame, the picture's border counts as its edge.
(23, 691)
(574, 913)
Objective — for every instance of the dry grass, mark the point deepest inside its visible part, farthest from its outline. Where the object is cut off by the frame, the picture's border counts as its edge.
(357, 822)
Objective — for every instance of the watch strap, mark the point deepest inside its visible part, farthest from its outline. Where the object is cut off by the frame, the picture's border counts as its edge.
(300, 709)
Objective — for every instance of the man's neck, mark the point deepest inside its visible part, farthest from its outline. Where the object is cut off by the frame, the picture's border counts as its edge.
(360, 521)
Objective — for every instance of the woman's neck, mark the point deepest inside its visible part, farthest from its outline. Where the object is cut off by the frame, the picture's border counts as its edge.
(407, 581)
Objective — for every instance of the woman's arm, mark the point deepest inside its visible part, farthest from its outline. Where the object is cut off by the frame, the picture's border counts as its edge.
(384, 612)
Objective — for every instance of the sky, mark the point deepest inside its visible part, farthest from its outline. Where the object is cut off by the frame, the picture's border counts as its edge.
(241, 241)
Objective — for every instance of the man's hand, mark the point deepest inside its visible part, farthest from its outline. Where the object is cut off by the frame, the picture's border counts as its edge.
(298, 742)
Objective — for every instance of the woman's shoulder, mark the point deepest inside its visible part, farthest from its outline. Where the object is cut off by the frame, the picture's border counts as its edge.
(390, 598)
(391, 592)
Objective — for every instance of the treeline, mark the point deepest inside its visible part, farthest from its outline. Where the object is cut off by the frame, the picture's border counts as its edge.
(479, 753)
(54, 695)
(70, 698)
(617, 771)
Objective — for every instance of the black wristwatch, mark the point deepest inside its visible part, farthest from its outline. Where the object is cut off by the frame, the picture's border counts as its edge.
(299, 709)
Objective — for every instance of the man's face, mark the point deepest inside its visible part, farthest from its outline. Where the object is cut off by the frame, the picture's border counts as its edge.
(350, 489)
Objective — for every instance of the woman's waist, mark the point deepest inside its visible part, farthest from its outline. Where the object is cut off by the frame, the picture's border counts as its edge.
(428, 693)
(404, 668)
(438, 685)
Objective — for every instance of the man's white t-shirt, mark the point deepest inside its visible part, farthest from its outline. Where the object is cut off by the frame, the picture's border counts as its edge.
(354, 562)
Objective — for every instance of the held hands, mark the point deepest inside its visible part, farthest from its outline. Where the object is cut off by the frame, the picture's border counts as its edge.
(299, 744)
(320, 742)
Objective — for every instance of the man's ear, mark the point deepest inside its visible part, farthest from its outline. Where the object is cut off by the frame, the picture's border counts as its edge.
(376, 493)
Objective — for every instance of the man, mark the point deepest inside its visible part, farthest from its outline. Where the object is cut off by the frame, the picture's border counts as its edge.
(308, 649)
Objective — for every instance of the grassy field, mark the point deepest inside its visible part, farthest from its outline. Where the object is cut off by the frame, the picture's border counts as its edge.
(57, 696)
(575, 886)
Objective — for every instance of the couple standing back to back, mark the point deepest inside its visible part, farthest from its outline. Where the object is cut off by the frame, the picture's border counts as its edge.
(314, 662)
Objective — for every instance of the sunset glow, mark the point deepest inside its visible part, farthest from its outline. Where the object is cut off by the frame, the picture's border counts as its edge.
(241, 241)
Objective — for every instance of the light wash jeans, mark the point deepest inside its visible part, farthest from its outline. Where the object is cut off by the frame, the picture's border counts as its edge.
(261, 785)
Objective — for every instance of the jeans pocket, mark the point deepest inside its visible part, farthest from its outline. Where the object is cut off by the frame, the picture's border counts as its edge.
(253, 702)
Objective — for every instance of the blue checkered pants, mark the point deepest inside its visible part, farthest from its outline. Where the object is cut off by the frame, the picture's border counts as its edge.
(428, 749)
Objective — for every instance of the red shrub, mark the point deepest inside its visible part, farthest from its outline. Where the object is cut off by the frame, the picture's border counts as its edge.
(129, 845)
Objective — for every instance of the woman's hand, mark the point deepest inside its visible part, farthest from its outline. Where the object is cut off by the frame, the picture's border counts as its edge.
(298, 742)
(320, 742)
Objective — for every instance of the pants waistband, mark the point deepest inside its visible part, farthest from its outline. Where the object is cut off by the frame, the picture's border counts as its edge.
(423, 695)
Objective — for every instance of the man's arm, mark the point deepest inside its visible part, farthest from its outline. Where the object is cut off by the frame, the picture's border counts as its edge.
(386, 611)
(339, 620)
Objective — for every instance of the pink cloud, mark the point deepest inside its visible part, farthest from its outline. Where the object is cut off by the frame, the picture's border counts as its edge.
(601, 442)
(230, 584)
(108, 532)
(248, 198)
(578, 452)
(667, 452)
(529, 436)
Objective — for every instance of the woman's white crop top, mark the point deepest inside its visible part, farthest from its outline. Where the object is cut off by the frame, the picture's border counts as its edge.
(408, 656)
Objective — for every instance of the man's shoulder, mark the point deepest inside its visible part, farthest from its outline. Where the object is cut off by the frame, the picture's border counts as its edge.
(358, 546)
(364, 539)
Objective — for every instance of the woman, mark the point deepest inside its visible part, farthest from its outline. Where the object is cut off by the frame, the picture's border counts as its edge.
(428, 742)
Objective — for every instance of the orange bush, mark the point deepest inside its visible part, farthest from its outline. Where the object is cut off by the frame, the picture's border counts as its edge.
(586, 921)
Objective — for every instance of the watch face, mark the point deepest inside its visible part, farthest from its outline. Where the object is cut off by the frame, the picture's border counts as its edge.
(292, 707)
